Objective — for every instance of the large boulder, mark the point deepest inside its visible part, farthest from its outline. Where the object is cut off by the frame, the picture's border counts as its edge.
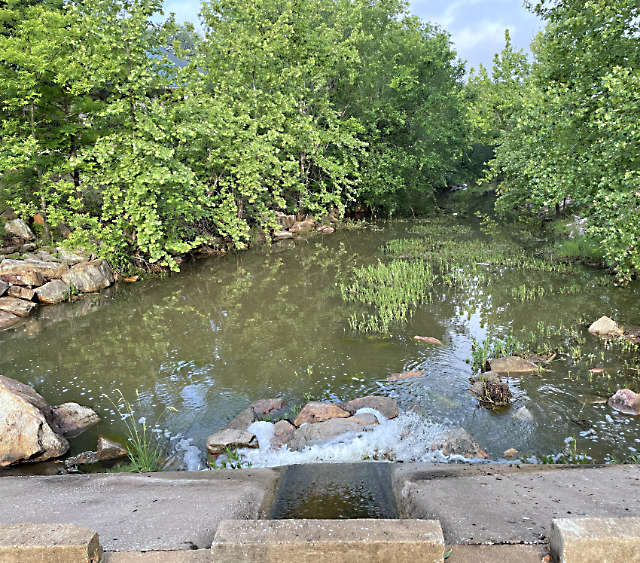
(512, 365)
(626, 401)
(88, 277)
(70, 257)
(303, 226)
(605, 326)
(7, 319)
(73, 419)
(20, 292)
(18, 228)
(26, 426)
(384, 405)
(320, 432)
(47, 269)
(54, 291)
(459, 442)
(316, 411)
(230, 438)
(242, 420)
(18, 307)
(28, 278)
(3, 287)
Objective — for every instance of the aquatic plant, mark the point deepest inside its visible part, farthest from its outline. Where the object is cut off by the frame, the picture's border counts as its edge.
(147, 453)
(230, 459)
(570, 455)
(392, 289)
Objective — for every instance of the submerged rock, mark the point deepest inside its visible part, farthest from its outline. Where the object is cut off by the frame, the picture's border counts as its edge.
(316, 411)
(73, 419)
(266, 406)
(242, 420)
(384, 405)
(282, 235)
(625, 401)
(312, 434)
(230, 438)
(26, 426)
(605, 326)
(8, 319)
(512, 365)
(405, 375)
(88, 277)
(54, 291)
(459, 442)
(18, 307)
(18, 228)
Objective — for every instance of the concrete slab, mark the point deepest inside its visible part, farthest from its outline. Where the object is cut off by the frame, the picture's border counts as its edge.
(509, 504)
(497, 553)
(159, 511)
(48, 543)
(328, 541)
(182, 556)
(596, 540)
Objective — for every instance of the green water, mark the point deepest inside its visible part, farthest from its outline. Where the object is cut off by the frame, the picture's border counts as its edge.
(271, 322)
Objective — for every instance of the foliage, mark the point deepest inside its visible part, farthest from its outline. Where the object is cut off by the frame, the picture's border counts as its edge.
(576, 136)
(146, 140)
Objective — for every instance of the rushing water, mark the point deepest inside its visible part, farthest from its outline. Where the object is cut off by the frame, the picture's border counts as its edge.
(271, 322)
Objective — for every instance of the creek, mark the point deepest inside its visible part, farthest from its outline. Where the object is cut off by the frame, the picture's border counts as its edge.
(193, 349)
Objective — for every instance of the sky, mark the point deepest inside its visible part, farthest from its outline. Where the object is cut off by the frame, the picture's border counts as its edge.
(476, 26)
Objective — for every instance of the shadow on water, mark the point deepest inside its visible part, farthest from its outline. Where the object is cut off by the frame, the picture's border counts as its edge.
(324, 491)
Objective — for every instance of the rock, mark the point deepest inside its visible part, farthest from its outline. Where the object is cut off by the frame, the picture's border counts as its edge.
(8, 214)
(27, 278)
(523, 414)
(26, 433)
(285, 221)
(20, 292)
(70, 257)
(459, 442)
(511, 452)
(9, 249)
(18, 228)
(512, 365)
(490, 390)
(428, 340)
(265, 406)
(91, 276)
(3, 288)
(17, 307)
(73, 419)
(47, 269)
(54, 291)
(7, 319)
(384, 405)
(326, 230)
(303, 226)
(108, 450)
(29, 247)
(605, 326)
(311, 434)
(625, 401)
(83, 458)
(282, 235)
(316, 411)
(405, 375)
(230, 438)
(283, 432)
(243, 420)
(365, 418)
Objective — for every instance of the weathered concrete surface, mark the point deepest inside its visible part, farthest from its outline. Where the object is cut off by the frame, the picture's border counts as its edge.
(512, 503)
(160, 511)
(48, 543)
(497, 553)
(596, 540)
(328, 541)
(182, 556)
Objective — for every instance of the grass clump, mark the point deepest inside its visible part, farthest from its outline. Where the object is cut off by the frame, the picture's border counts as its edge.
(392, 289)
(147, 453)
(569, 456)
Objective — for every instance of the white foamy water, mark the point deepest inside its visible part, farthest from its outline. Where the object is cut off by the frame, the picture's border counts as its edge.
(406, 438)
